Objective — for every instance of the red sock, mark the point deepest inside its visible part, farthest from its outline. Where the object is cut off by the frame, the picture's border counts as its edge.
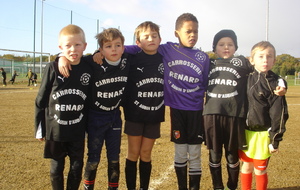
(261, 181)
(246, 181)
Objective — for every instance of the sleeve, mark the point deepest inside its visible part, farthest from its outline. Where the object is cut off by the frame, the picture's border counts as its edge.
(132, 49)
(41, 102)
(88, 59)
(278, 116)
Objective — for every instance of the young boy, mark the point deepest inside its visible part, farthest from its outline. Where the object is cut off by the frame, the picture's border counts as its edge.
(3, 73)
(29, 76)
(266, 118)
(13, 78)
(34, 79)
(226, 108)
(60, 110)
(104, 123)
(104, 119)
(185, 76)
(144, 104)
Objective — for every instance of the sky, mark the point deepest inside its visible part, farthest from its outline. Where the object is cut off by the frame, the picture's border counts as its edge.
(248, 18)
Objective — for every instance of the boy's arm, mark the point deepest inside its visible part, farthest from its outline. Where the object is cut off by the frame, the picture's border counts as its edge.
(278, 115)
(41, 103)
(281, 88)
(132, 49)
(64, 66)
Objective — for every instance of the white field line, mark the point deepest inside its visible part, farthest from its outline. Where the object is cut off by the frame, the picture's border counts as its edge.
(163, 177)
(293, 104)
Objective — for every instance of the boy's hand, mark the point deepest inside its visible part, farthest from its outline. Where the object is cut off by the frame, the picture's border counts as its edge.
(280, 91)
(271, 149)
(97, 57)
(40, 139)
(64, 66)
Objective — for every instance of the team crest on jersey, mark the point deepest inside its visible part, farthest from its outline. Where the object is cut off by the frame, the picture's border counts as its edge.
(236, 62)
(85, 79)
(123, 63)
(161, 68)
(176, 134)
(200, 56)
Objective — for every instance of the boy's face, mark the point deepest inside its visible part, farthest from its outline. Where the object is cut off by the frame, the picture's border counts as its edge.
(225, 48)
(263, 60)
(72, 47)
(113, 50)
(149, 41)
(188, 34)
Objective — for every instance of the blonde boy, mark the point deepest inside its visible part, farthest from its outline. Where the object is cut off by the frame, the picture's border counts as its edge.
(266, 118)
(60, 110)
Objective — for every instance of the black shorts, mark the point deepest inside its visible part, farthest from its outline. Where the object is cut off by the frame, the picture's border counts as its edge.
(148, 130)
(186, 126)
(224, 131)
(57, 150)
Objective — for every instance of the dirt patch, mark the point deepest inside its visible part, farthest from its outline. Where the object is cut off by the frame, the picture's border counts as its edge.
(23, 166)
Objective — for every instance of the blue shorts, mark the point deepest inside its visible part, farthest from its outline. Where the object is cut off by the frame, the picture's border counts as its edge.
(104, 127)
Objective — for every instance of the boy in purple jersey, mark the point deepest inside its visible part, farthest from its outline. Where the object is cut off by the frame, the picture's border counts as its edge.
(60, 110)
(185, 76)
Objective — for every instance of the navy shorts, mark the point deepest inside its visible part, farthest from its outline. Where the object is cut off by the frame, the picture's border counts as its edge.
(186, 126)
(148, 130)
(103, 127)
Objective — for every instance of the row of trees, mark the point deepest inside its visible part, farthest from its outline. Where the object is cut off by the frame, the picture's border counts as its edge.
(285, 63)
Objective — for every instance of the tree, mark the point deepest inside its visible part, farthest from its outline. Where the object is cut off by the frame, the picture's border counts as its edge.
(286, 65)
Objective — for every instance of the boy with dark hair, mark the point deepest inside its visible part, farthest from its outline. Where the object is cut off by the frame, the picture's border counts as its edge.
(60, 110)
(185, 76)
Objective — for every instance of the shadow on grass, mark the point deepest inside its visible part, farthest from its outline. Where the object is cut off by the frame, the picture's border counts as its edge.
(286, 188)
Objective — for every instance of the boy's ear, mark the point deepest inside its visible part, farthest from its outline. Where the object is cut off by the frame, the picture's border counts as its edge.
(176, 35)
(251, 61)
(85, 46)
(138, 43)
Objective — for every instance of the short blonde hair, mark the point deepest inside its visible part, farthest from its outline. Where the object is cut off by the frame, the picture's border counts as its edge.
(144, 26)
(108, 35)
(261, 46)
(71, 29)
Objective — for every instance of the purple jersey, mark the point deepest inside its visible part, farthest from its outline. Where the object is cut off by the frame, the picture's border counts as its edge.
(186, 74)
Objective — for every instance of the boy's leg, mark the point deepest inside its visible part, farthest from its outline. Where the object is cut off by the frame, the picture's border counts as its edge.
(96, 131)
(90, 175)
(261, 181)
(145, 173)
(216, 169)
(113, 144)
(113, 172)
(231, 146)
(133, 153)
(246, 181)
(194, 166)
(180, 165)
(56, 173)
(76, 151)
(130, 174)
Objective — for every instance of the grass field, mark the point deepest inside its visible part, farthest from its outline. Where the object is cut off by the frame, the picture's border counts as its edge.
(23, 167)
